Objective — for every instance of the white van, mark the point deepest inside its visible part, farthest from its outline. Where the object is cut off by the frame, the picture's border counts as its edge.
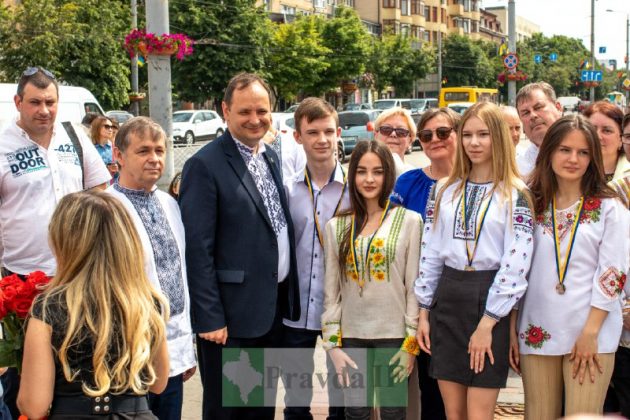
(74, 103)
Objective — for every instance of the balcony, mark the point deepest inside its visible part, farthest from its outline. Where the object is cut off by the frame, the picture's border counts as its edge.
(456, 10)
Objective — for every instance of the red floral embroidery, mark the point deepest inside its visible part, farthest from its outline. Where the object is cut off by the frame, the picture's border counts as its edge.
(612, 281)
(535, 336)
(591, 204)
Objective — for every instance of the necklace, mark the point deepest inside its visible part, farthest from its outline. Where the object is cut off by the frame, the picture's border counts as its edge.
(563, 266)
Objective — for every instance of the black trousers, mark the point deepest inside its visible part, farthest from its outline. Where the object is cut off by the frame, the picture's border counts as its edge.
(210, 356)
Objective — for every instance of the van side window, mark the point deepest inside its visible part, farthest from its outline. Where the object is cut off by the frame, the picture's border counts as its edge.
(92, 107)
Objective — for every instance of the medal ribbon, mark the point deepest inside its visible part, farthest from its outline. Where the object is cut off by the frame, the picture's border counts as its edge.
(470, 256)
(309, 185)
(353, 250)
(562, 267)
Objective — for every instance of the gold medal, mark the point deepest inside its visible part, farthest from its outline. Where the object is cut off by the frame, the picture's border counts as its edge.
(469, 268)
(561, 288)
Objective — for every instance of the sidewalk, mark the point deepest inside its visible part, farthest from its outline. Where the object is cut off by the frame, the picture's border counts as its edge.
(510, 406)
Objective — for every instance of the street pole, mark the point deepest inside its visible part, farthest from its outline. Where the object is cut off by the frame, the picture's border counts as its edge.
(160, 103)
(592, 96)
(439, 69)
(627, 57)
(135, 105)
(512, 48)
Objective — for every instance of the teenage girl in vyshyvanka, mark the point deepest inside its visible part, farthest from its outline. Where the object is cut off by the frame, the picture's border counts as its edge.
(570, 321)
(476, 253)
(372, 254)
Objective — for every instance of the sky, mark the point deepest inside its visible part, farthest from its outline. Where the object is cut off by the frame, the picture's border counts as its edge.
(573, 18)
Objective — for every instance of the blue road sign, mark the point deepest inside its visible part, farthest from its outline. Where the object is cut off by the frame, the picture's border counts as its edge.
(538, 59)
(591, 76)
(553, 56)
(602, 50)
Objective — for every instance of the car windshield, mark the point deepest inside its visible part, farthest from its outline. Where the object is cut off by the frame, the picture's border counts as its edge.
(384, 104)
(353, 119)
(352, 107)
(417, 103)
(182, 116)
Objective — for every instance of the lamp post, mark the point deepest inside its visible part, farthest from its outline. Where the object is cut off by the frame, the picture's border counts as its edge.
(592, 95)
(627, 47)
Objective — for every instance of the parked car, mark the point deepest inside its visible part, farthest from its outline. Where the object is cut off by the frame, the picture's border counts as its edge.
(291, 109)
(202, 124)
(384, 104)
(582, 105)
(355, 126)
(356, 107)
(120, 116)
(460, 107)
(419, 106)
(284, 123)
(569, 103)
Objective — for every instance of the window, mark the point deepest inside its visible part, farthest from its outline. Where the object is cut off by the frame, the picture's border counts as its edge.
(287, 10)
(427, 13)
(389, 3)
(404, 30)
(391, 26)
(435, 14)
(426, 36)
(466, 5)
(405, 8)
(319, 4)
(416, 7)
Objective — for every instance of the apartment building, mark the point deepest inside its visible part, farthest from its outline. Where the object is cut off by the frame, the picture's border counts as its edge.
(524, 28)
(490, 28)
(287, 10)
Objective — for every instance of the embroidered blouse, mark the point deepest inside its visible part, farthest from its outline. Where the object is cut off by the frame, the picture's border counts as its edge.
(550, 323)
(504, 243)
(387, 307)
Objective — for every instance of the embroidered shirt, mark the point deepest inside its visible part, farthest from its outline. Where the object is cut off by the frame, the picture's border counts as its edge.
(550, 323)
(105, 151)
(165, 251)
(387, 307)
(32, 181)
(308, 250)
(412, 191)
(260, 171)
(505, 243)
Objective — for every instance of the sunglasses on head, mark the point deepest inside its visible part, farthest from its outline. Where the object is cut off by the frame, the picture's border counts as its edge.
(32, 70)
(387, 130)
(442, 133)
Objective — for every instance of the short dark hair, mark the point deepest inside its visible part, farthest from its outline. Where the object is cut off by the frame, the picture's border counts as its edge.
(527, 90)
(38, 79)
(241, 81)
(314, 109)
(141, 127)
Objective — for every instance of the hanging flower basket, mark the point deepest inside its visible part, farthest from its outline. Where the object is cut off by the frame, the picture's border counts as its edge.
(140, 42)
(591, 84)
(136, 96)
(505, 76)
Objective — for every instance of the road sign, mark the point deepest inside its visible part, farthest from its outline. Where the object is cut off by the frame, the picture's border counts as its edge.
(510, 61)
(553, 56)
(602, 50)
(626, 83)
(538, 59)
(591, 76)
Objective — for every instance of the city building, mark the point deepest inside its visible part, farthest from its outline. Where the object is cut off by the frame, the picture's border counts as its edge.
(287, 10)
(524, 28)
(490, 28)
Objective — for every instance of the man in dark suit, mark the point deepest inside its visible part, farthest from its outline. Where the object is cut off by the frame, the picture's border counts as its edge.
(239, 242)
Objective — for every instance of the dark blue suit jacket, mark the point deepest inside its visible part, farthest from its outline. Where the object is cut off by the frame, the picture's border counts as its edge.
(231, 248)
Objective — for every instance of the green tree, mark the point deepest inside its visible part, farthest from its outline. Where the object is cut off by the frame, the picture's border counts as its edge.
(297, 59)
(80, 42)
(233, 37)
(346, 36)
(398, 61)
(465, 63)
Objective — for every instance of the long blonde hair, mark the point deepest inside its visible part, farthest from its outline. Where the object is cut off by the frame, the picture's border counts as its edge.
(504, 171)
(109, 299)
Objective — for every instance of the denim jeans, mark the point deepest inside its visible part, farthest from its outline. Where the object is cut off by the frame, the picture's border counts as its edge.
(168, 404)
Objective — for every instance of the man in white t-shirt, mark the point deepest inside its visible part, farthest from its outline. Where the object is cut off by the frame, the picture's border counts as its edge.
(38, 166)
(538, 109)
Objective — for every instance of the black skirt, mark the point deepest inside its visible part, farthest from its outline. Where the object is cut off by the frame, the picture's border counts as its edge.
(458, 305)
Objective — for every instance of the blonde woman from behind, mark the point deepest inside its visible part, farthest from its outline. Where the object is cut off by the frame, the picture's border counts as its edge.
(95, 342)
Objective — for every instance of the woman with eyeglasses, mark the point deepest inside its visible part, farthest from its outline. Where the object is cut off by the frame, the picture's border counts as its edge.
(437, 133)
(102, 134)
(396, 129)
(475, 255)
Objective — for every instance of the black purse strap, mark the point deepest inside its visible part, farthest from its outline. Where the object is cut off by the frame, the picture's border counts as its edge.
(77, 147)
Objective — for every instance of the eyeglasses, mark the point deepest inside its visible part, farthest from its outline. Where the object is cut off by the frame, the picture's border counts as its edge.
(442, 133)
(625, 138)
(387, 130)
(32, 70)
(108, 127)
